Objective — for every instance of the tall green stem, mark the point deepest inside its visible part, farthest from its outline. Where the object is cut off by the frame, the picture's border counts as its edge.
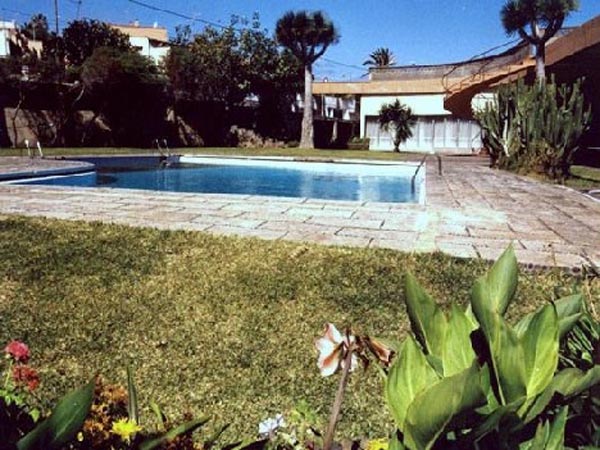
(339, 398)
(8, 375)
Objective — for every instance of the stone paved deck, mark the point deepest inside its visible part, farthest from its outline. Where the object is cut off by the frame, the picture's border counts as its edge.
(471, 211)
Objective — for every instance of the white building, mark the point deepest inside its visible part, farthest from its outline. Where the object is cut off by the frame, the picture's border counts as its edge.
(424, 90)
(8, 30)
(149, 41)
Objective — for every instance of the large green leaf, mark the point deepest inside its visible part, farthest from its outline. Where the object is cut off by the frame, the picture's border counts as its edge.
(540, 347)
(426, 317)
(187, 427)
(569, 310)
(567, 383)
(395, 443)
(549, 436)
(63, 424)
(503, 416)
(504, 348)
(433, 410)
(409, 375)
(458, 351)
(509, 362)
(556, 438)
(495, 290)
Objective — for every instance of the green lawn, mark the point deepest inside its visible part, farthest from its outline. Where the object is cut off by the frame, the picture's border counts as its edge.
(584, 177)
(217, 325)
(296, 152)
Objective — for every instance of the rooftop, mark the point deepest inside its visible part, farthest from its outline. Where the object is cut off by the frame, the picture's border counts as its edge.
(153, 32)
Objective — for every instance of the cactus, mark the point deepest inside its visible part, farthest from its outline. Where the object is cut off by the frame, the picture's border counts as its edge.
(535, 127)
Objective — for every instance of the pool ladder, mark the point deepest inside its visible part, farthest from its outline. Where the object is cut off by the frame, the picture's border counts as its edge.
(163, 149)
(413, 181)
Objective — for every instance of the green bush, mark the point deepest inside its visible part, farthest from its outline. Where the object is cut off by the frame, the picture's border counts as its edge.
(357, 143)
(535, 128)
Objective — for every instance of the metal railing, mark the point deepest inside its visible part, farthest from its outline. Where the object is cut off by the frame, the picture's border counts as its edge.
(413, 186)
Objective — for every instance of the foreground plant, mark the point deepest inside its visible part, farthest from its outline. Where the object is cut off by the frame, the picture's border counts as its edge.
(17, 392)
(115, 422)
(343, 351)
(468, 379)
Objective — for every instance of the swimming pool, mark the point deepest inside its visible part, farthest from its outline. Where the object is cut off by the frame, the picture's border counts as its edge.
(365, 181)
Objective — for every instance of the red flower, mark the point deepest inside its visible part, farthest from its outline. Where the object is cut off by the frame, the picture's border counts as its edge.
(26, 376)
(18, 351)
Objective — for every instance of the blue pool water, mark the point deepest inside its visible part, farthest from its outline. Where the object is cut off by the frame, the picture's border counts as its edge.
(320, 181)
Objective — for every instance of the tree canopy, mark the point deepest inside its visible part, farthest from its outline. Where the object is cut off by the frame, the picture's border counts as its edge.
(81, 37)
(381, 57)
(307, 35)
(543, 18)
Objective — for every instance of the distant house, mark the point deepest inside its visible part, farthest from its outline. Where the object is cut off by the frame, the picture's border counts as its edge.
(8, 32)
(149, 41)
(422, 89)
(443, 96)
(10, 40)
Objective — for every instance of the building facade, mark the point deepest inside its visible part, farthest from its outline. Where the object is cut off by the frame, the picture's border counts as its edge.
(152, 42)
(8, 31)
(443, 97)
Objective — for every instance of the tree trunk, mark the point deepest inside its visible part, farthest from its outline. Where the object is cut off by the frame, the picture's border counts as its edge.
(15, 143)
(307, 137)
(540, 62)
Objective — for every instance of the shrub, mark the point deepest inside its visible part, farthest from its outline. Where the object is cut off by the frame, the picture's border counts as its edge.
(535, 128)
(398, 119)
(357, 143)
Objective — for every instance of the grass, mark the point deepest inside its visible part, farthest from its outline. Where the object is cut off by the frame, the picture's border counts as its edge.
(584, 177)
(230, 151)
(216, 325)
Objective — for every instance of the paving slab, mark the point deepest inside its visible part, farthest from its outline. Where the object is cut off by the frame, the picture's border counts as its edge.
(470, 211)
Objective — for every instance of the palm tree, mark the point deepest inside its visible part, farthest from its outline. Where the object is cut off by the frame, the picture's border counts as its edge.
(543, 17)
(307, 35)
(400, 119)
(381, 57)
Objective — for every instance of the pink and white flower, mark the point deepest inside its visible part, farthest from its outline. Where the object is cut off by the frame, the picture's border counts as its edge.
(333, 349)
(18, 351)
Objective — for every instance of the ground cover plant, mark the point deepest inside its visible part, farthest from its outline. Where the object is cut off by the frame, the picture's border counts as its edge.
(217, 325)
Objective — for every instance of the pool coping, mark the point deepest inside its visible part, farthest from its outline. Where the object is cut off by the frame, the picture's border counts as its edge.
(66, 168)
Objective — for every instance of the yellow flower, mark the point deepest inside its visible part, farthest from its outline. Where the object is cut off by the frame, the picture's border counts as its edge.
(378, 444)
(125, 428)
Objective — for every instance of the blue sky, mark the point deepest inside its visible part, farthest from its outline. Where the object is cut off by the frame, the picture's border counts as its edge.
(417, 31)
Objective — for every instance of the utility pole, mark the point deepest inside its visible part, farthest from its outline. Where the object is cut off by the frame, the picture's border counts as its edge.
(56, 16)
